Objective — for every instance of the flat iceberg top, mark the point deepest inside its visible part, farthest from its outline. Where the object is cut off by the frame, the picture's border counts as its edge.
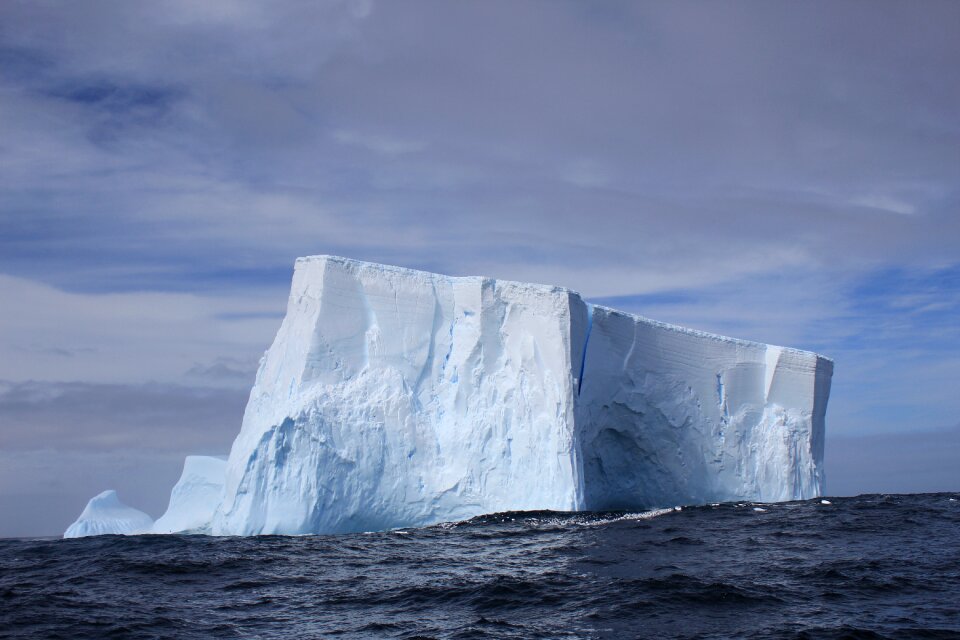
(353, 264)
(711, 336)
(356, 265)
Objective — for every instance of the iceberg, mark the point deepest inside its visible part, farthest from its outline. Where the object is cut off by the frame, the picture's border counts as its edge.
(195, 497)
(105, 514)
(392, 397)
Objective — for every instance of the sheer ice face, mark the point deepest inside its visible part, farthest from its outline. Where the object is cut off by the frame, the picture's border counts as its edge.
(668, 415)
(105, 514)
(195, 497)
(392, 397)
(395, 397)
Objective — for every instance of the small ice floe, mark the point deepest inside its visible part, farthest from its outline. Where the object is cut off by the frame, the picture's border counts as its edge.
(714, 504)
(760, 509)
(825, 502)
(952, 499)
(678, 508)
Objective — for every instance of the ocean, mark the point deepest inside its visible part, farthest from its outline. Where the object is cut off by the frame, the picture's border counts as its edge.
(874, 566)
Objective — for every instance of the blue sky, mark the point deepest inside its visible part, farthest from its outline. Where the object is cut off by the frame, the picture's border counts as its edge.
(785, 172)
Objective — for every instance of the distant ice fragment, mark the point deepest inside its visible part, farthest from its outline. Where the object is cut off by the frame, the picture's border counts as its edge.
(195, 498)
(105, 514)
(825, 502)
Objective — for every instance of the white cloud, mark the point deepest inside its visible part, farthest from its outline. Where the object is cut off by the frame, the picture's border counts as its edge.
(586, 173)
(384, 145)
(885, 203)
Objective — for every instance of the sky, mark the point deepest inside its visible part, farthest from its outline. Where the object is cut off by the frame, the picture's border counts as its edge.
(780, 171)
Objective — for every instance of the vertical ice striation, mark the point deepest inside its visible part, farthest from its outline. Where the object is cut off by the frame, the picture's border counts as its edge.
(392, 397)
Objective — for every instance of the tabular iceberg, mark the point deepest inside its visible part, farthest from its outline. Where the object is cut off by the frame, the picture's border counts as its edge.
(105, 514)
(392, 397)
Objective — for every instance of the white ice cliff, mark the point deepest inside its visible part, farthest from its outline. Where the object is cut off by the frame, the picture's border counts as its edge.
(392, 397)
(106, 514)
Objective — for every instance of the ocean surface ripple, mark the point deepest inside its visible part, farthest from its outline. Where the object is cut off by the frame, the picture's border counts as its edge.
(876, 566)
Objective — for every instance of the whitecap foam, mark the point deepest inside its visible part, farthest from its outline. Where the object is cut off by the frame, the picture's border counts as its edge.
(643, 515)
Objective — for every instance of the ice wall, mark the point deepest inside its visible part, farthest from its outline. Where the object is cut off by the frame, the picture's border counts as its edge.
(667, 415)
(392, 397)
(396, 397)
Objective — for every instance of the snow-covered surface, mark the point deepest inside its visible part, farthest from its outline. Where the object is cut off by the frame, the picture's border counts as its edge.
(105, 514)
(195, 497)
(394, 398)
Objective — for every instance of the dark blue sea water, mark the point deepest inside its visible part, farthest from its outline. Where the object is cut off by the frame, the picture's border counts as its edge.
(878, 566)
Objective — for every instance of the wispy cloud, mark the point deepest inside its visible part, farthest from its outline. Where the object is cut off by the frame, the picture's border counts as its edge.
(655, 150)
(385, 145)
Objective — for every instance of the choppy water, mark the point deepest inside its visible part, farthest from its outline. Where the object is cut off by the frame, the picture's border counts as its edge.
(867, 567)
